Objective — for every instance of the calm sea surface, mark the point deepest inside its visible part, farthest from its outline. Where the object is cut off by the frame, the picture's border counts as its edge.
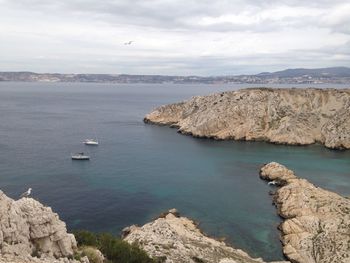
(140, 170)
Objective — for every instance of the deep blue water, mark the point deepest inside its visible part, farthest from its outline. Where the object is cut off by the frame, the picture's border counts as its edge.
(140, 170)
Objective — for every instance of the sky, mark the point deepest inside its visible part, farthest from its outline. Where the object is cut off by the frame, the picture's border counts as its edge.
(173, 37)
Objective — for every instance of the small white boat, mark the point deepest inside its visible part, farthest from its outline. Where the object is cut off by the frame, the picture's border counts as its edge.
(80, 156)
(91, 142)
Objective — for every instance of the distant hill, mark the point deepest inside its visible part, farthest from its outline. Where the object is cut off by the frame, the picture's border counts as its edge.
(318, 72)
(290, 76)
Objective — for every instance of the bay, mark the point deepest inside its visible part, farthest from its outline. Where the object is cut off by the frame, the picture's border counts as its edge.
(139, 170)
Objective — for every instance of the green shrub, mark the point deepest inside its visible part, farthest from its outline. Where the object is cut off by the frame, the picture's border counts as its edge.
(86, 238)
(92, 254)
(114, 249)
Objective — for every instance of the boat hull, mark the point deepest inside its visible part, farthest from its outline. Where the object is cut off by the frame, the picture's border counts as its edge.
(91, 143)
(81, 158)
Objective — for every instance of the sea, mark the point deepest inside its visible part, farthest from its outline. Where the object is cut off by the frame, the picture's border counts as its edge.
(139, 171)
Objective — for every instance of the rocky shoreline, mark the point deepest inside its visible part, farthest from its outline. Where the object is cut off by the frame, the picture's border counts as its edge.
(282, 116)
(33, 233)
(176, 239)
(316, 227)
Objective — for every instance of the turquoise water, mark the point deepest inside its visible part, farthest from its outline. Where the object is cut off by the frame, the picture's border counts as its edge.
(140, 170)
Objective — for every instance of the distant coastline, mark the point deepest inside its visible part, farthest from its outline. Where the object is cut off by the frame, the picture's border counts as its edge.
(333, 75)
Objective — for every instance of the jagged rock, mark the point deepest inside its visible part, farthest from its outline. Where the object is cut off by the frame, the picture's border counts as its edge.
(28, 259)
(178, 240)
(284, 116)
(276, 172)
(29, 228)
(174, 212)
(316, 228)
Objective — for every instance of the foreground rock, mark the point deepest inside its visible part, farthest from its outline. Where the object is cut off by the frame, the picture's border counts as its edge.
(31, 232)
(44, 259)
(178, 240)
(316, 228)
(285, 116)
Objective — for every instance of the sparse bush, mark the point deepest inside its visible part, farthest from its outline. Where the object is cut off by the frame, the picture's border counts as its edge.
(77, 255)
(92, 253)
(86, 238)
(114, 249)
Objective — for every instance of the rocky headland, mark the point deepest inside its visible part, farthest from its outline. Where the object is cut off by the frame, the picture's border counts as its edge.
(284, 116)
(175, 239)
(316, 227)
(31, 232)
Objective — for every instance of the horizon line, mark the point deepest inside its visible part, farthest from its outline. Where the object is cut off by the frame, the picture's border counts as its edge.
(169, 75)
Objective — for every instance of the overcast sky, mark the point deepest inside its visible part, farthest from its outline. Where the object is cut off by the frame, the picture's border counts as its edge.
(176, 37)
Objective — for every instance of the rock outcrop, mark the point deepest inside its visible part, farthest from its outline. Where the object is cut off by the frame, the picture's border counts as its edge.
(316, 228)
(284, 116)
(31, 232)
(177, 239)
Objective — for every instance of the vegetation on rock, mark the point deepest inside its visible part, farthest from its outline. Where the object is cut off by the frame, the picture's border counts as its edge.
(114, 249)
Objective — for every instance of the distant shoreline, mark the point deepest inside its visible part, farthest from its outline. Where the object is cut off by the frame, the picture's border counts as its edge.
(335, 75)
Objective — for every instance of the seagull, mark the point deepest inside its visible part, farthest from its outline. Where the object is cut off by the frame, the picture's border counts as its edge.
(272, 182)
(26, 194)
(128, 43)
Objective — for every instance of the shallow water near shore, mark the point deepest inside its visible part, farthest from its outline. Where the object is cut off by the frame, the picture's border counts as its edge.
(140, 170)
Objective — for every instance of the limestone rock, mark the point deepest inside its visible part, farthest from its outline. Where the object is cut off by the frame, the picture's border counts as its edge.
(178, 240)
(284, 116)
(276, 172)
(316, 228)
(28, 259)
(29, 228)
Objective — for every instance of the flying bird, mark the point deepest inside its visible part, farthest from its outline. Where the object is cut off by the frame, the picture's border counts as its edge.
(128, 43)
(27, 193)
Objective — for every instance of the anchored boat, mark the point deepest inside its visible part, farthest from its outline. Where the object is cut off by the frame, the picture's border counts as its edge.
(91, 142)
(80, 156)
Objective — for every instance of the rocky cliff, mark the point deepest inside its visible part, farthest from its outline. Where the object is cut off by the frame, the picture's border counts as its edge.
(178, 240)
(316, 227)
(31, 232)
(285, 116)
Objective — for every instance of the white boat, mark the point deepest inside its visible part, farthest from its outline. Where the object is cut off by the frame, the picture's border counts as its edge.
(91, 142)
(80, 156)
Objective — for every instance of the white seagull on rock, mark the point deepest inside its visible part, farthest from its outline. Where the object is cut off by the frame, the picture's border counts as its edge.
(27, 193)
(272, 182)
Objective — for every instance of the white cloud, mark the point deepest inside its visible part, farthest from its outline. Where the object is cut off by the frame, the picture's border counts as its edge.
(172, 37)
(254, 17)
(338, 18)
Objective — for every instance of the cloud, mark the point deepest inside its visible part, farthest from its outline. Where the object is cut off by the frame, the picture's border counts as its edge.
(172, 37)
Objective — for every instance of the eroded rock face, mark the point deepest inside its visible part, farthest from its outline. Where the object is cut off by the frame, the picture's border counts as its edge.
(28, 259)
(316, 228)
(178, 240)
(29, 228)
(285, 116)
